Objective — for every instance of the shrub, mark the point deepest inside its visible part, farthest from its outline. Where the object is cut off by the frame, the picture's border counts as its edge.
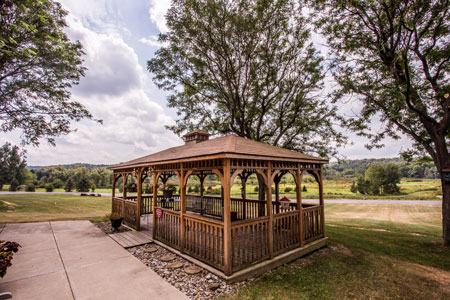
(256, 190)
(30, 188)
(287, 189)
(93, 187)
(304, 189)
(49, 187)
(354, 189)
(189, 190)
(13, 185)
(7, 249)
(148, 189)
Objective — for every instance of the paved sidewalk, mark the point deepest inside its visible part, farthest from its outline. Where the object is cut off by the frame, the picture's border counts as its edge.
(76, 260)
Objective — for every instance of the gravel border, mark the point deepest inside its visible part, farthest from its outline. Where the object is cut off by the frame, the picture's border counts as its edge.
(108, 229)
(198, 287)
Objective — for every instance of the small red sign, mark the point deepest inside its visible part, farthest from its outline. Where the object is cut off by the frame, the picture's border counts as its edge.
(159, 212)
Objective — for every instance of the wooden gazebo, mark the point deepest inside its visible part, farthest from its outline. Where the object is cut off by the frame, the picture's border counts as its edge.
(229, 234)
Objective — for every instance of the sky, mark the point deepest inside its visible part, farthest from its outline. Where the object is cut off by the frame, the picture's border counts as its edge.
(118, 38)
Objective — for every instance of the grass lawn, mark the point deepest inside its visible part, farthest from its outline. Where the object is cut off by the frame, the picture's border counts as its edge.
(375, 252)
(34, 207)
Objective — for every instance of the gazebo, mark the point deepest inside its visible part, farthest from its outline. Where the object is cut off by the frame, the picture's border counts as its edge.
(230, 234)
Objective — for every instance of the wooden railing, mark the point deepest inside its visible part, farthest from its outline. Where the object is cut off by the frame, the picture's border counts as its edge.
(312, 228)
(249, 242)
(168, 228)
(286, 231)
(128, 208)
(204, 240)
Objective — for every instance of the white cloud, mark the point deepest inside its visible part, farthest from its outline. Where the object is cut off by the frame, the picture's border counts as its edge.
(151, 41)
(158, 10)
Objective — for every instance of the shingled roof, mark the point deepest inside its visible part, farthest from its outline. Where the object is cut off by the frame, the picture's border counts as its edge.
(230, 146)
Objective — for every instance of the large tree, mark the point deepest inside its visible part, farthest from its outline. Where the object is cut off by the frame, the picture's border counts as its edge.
(38, 65)
(12, 165)
(394, 56)
(245, 67)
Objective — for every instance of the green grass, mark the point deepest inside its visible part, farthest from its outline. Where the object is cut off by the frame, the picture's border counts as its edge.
(34, 207)
(375, 252)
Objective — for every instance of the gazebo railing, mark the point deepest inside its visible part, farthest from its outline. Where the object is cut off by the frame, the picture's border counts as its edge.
(312, 220)
(286, 231)
(168, 228)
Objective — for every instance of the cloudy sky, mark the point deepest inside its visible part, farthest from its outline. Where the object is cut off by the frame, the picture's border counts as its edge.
(118, 38)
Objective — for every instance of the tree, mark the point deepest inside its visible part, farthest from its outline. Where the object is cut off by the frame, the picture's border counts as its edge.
(83, 185)
(69, 185)
(13, 185)
(353, 189)
(304, 188)
(38, 65)
(12, 164)
(394, 56)
(248, 68)
(362, 185)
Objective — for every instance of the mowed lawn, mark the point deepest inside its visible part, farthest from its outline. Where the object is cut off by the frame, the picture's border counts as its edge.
(374, 252)
(34, 207)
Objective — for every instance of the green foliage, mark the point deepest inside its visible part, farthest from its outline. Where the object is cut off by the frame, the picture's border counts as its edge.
(148, 189)
(363, 185)
(69, 185)
(93, 187)
(13, 185)
(256, 189)
(287, 189)
(83, 184)
(38, 66)
(49, 187)
(353, 189)
(30, 188)
(12, 165)
(383, 179)
(304, 189)
(246, 67)
(7, 250)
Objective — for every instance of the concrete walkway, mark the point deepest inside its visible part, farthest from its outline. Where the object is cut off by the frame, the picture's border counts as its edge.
(76, 260)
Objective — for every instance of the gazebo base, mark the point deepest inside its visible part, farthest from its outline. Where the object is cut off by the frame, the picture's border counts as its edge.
(258, 268)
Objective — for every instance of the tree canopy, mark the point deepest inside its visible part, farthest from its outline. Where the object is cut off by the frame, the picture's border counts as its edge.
(248, 68)
(394, 56)
(38, 65)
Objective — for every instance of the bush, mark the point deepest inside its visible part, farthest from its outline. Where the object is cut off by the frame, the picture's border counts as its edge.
(13, 185)
(57, 183)
(30, 188)
(354, 189)
(148, 189)
(287, 189)
(7, 249)
(93, 187)
(304, 189)
(256, 190)
(49, 187)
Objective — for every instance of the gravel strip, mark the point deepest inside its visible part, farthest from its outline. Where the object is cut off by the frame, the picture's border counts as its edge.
(201, 286)
(108, 229)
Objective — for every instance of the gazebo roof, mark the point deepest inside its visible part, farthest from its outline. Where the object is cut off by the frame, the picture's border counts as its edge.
(230, 146)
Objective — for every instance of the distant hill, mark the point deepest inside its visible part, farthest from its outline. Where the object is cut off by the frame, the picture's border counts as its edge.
(71, 166)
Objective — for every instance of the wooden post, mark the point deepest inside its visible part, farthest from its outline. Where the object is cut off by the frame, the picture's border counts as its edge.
(244, 196)
(227, 217)
(139, 198)
(299, 202)
(182, 207)
(114, 185)
(277, 193)
(269, 210)
(202, 179)
(322, 206)
(154, 201)
(124, 189)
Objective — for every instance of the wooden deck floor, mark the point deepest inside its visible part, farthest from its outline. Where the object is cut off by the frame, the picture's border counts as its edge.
(132, 238)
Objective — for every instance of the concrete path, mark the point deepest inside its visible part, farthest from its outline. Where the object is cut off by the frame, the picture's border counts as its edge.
(76, 260)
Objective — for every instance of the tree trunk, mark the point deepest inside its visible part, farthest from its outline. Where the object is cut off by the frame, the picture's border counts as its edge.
(445, 211)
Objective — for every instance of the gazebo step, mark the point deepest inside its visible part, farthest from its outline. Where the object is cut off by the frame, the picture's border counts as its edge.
(131, 238)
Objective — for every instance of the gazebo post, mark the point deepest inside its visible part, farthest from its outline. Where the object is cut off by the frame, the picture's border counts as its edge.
(244, 195)
(227, 216)
(139, 198)
(299, 201)
(322, 206)
(277, 193)
(182, 206)
(202, 179)
(124, 188)
(269, 209)
(154, 201)
(114, 185)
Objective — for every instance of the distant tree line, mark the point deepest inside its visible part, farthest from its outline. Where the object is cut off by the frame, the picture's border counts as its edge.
(354, 169)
